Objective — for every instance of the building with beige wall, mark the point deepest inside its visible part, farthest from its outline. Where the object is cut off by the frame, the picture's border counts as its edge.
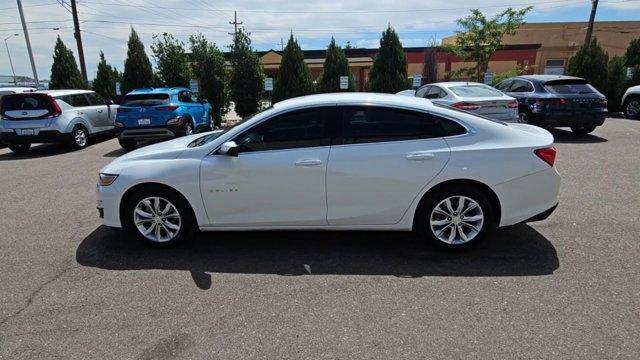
(560, 41)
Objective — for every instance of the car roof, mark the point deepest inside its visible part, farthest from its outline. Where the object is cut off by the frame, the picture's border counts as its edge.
(64, 92)
(353, 98)
(159, 90)
(545, 78)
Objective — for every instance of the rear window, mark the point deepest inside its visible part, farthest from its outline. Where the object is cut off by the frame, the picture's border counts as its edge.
(145, 99)
(569, 87)
(474, 91)
(25, 106)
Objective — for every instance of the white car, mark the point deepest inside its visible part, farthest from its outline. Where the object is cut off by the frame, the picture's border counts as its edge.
(15, 90)
(65, 116)
(474, 97)
(631, 102)
(350, 161)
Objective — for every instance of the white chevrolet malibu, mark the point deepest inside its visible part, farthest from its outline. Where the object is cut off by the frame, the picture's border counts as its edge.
(355, 161)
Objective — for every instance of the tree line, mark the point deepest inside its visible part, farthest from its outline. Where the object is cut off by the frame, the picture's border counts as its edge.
(242, 81)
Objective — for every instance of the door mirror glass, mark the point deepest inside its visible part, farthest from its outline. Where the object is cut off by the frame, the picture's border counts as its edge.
(229, 148)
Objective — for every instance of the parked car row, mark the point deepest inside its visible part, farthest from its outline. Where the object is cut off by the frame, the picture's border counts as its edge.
(542, 100)
(73, 116)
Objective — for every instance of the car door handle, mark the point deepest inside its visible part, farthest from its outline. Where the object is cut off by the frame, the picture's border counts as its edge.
(308, 162)
(79, 112)
(420, 155)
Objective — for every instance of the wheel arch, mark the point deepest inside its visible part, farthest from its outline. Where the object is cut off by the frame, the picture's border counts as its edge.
(78, 121)
(491, 196)
(164, 187)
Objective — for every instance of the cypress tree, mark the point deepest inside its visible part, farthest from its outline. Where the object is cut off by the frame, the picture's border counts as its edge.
(247, 77)
(137, 67)
(171, 59)
(617, 75)
(335, 66)
(632, 60)
(64, 70)
(591, 63)
(208, 65)
(294, 77)
(106, 78)
(389, 71)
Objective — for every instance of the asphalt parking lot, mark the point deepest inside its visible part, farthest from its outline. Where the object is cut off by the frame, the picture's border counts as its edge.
(564, 288)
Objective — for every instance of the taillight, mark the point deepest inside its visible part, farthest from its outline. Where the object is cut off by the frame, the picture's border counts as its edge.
(118, 124)
(551, 102)
(167, 108)
(466, 106)
(513, 104)
(55, 108)
(548, 155)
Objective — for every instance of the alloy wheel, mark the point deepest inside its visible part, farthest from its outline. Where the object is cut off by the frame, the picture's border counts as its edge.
(633, 108)
(456, 220)
(80, 137)
(157, 219)
(188, 129)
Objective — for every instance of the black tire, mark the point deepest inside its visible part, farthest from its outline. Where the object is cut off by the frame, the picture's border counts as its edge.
(583, 129)
(211, 124)
(79, 138)
(185, 128)
(524, 116)
(128, 144)
(631, 107)
(422, 221)
(19, 148)
(187, 223)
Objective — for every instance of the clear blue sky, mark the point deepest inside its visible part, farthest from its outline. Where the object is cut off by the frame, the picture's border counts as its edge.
(106, 23)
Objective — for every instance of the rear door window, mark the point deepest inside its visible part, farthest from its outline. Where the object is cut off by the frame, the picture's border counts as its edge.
(75, 100)
(504, 86)
(145, 99)
(21, 106)
(475, 91)
(569, 87)
(435, 93)
(380, 124)
(95, 99)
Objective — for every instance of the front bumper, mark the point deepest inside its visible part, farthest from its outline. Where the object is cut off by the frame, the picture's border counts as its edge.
(108, 204)
(150, 132)
(44, 136)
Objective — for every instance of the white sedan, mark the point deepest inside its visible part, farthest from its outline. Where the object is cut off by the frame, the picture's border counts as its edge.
(355, 161)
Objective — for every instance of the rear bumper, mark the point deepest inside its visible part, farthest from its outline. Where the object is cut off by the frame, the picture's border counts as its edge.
(568, 119)
(150, 132)
(528, 197)
(45, 136)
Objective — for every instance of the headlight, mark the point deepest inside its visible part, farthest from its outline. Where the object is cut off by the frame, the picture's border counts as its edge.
(107, 179)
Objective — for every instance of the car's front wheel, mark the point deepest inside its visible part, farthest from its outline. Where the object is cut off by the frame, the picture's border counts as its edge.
(455, 218)
(158, 216)
(583, 129)
(19, 148)
(631, 107)
(188, 128)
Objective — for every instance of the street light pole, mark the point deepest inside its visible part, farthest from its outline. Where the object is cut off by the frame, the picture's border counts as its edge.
(15, 81)
(26, 38)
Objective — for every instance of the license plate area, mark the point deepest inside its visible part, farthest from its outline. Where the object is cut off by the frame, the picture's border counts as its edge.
(144, 122)
(25, 132)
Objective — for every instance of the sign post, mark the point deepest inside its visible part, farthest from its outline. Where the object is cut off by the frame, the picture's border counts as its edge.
(344, 82)
(268, 87)
(417, 81)
(194, 86)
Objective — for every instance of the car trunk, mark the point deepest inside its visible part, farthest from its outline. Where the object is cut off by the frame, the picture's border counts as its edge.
(22, 107)
(145, 110)
(575, 95)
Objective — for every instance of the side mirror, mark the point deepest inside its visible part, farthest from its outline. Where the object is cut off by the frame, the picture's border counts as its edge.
(230, 148)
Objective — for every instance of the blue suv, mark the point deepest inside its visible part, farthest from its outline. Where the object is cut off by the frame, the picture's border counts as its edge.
(160, 113)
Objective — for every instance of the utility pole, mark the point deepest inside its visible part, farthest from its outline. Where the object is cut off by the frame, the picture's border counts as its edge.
(26, 38)
(235, 24)
(592, 17)
(15, 80)
(281, 44)
(76, 34)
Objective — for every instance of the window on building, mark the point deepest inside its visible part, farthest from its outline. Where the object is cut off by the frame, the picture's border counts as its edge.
(554, 67)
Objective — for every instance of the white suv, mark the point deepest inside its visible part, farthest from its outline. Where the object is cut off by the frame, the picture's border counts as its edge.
(66, 116)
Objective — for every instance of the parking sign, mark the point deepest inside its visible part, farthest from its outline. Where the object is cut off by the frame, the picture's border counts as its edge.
(268, 84)
(344, 82)
(118, 91)
(417, 80)
(194, 85)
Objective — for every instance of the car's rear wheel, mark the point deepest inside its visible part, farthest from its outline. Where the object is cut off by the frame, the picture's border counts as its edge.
(631, 107)
(212, 122)
(188, 128)
(159, 217)
(524, 116)
(583, 129)
(19, 148)
(128, 144)
(455, 217)
(79, 138)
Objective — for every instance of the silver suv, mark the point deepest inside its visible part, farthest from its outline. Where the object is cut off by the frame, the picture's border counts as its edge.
(66, 116)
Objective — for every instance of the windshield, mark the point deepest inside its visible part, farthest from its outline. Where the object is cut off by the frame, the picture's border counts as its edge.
(569, 87)
(475, 91)
(214, 135)
(145, 99)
